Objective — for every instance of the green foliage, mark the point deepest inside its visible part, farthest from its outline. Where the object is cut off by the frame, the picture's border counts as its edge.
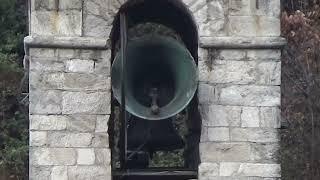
(13, 116)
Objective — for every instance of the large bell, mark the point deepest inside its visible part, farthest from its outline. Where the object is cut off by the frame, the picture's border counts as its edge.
(161, 77)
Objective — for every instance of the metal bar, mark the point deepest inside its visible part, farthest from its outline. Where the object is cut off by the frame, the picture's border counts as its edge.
(123, 147)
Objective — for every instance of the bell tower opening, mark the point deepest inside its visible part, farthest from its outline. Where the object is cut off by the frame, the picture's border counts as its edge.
(163, 125)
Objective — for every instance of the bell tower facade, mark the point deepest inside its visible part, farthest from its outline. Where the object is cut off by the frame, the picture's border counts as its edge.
(238, 56)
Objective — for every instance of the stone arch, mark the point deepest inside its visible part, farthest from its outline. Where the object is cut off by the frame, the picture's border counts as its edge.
(177, 16)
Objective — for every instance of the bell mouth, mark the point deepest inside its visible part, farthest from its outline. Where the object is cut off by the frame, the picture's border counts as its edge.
(156, 62)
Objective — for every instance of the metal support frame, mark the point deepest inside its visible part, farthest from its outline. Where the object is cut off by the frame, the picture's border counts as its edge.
(123, 36)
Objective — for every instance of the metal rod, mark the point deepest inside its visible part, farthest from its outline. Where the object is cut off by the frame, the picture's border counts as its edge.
(123, 36)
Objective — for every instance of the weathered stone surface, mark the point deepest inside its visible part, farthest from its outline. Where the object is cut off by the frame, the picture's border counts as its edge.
(42, 53)
(66, 139)
(268, 8)
(40, 172)
(103, 156)
(65, 23)
(52, 156)
(270, 117)
(268, 26)
(265, 152)
(250, 95)
(80, 66)
(86, 102)
(70, 4)
(207, 170)
(242, 26)
(250, 117)
(100, 140)
(204, 134)
(82, 123)
(92, 82)
(241, 7)
(89, 172)
(44, 122)
(245, 72)
(38, 138)
(46, 80)
(246, 169)
(254, 135)
(102, 123)
(67, 54)
(59, 173)
(204, 71)
(37, 5)
(231, 54)
(45, 102)
(264, 55)
(218, 134)
(206, 94)
(46, 65)
(217, 115)
(85, 157)
(224, 152)
(211, 19)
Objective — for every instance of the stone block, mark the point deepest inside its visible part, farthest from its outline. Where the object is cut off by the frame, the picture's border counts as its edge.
(246, 169)
(204, 134)
(38, 138)
(241, 7)
(221, 152)
(96, 26)
(44, 5)
(207, 170)
(264, 55)
(268, 26)
(89, 172)
(59, 173)
(265, 152)
(100, 140)
(268, 8)
(82, 123)
(103, 156)
(46, 65)
(51, 122)
(45, 102)
(250, 117)
(242, 26)
(70, 5)
(88, 82)
(245, 72)
(102, 123)
(64, 23)
(204, 71)
(207, 94)
(218, 134)
(219, 116)
(231, 54)
(39, 172)
(85, 157)
(270, 117)
(80, 66)
(46, 80)
(67, 54)
(86, 102)
(42, 53)
(249, 95)
(254, 135)
(52, 156)
(67, 139)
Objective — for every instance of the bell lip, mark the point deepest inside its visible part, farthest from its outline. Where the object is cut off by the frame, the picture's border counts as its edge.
(196, 80)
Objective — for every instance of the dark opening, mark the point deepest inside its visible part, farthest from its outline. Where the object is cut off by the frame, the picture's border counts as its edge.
(171, 18)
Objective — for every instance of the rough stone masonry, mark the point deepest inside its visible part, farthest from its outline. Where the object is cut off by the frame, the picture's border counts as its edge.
(239, 88)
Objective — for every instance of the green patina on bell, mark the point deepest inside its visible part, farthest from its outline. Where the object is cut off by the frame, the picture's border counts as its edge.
(161, 77)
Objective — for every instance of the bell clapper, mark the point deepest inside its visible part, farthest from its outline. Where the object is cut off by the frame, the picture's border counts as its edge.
(154, 96)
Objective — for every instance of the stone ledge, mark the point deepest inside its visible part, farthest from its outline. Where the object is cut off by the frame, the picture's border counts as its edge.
(65, 42)
(242, 42)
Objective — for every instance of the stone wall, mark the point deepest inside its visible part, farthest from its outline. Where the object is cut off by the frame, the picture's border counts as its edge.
(239, 88)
